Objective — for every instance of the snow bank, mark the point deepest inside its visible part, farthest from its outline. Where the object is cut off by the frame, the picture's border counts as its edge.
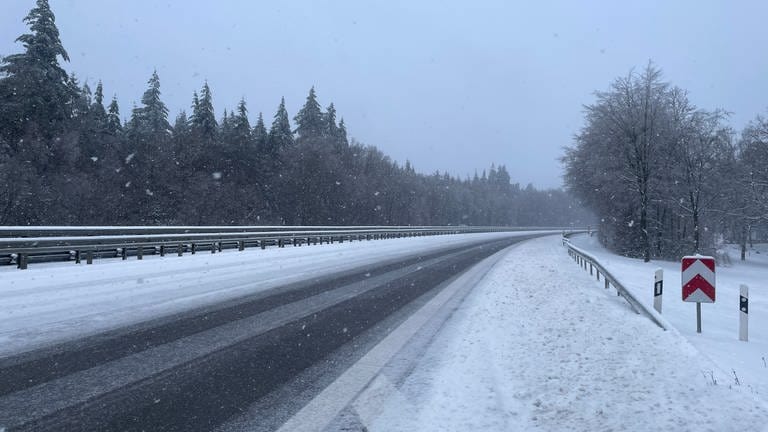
(538, 345)
(720, 321)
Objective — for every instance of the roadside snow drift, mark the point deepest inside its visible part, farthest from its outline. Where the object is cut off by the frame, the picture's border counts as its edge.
(719, 340)
(538, 345)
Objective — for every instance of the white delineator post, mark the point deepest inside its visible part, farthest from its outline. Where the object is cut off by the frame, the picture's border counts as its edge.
(658, 288)
(744, 313)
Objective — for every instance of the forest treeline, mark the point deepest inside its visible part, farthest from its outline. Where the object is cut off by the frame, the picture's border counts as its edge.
(667, 178)
(68, 157)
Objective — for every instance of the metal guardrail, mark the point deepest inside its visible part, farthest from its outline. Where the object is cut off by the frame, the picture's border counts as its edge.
(591, 264)
(82, 231)
(23, 245)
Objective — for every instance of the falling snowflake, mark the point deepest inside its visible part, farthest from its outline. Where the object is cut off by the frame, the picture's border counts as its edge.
(94, 158)
(148, 192)
(216, 175)
(129, 158)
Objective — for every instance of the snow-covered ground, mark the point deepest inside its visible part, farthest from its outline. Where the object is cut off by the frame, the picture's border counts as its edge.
(720, 321)
(60, 301)
(539, 345)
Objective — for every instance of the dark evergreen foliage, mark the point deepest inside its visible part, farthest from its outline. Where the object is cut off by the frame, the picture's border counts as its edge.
(65, 158)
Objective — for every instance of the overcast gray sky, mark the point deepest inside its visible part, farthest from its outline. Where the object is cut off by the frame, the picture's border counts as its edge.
(449, 85)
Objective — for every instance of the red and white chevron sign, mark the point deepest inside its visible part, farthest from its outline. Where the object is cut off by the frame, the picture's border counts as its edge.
(699, 279)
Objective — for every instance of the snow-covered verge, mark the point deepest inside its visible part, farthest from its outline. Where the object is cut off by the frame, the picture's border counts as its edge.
(59, 301)
(720, 320)
(538, 345)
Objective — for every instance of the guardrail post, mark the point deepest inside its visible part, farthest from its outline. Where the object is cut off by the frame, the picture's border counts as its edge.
(89, 257)
(22, 261)
(140, 252)
(219, 245)
(607, 283)
(263, 244)
(180, 250)
(590, 269)
(124, 253)
(193, 248)
(77, 257)
(162, 250)
(241, 245)
(213, 247)
(598, 274)
(279, 242)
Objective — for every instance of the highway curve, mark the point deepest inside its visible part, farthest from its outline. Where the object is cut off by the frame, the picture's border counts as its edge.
(196, 370)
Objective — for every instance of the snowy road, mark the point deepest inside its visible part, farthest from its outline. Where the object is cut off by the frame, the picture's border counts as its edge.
(63, 301)
(537, 345)
(194, 369)
(463, 333)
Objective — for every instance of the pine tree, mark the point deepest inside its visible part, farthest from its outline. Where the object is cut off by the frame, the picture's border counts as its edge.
(309, 120)
(97, 111)
(98, 97)
(181, 125)
(79, 98)
(152, 117)
(181, 139)
(34, 87)
(87, 93)
(114, 127)
(331, 129)
(241, 127)
(280, 135)
(259, 134)
(342, 138)
(203, 116)
(195, 106)
(225, 127)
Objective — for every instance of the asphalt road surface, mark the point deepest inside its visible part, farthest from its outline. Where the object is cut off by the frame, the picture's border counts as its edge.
(267, 353)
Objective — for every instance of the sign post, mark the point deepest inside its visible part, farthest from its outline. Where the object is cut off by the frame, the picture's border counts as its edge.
(658, 288)
(744, 313)
(698, 279)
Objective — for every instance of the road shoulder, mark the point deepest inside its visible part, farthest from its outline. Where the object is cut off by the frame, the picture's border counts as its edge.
(538, 346)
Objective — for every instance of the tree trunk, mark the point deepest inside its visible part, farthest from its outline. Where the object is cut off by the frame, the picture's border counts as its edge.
(644, 231)
(743, 242)
(696, 235)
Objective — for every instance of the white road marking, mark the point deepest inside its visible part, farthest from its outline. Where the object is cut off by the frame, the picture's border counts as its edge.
(320, 411)
(380, 393)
